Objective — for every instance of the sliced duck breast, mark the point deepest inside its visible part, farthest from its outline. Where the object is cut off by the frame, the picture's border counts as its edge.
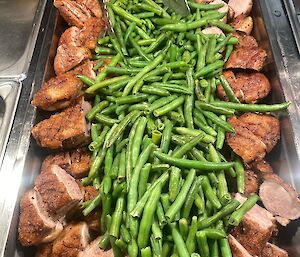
(59, 191)
(255, 229)
(279, 198)
(93, 250)
(241, 7)
(272, 250)
(237, 249)
(67, 129)
(35, 224)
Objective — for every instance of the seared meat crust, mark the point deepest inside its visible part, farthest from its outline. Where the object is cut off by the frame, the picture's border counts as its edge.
(93, 250)
(236, 248)
(66, 129)
(58, 93)
(59, 191)
(243, 23)
(244, 143)
(265, 127)
(247, 87)
(251, 182)
(272, 250)
(247, 58)
(35, 225)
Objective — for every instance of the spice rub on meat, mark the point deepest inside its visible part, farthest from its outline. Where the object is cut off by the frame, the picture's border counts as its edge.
(272, 250)
(58, 190)
(73, 240)
(254, 136)
(251, 182)
(66, 129)
(75, 162)
(247, 87)
(246, 54)
(255, 229)
(243, 23)
(35, 224)
(76, 42)
(237, 249)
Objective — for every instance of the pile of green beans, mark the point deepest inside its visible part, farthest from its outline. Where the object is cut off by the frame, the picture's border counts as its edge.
(158, 131)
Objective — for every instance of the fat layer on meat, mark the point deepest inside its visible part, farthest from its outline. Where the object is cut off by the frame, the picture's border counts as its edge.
(247, 58)
(59, 191)
(265, 127)
(255, 228)
(244, 143)
(93, 250)
(58, 93)
(272, 250)
(247, 87)
(66, 129)
(35, 224)
(71, 241)
(237, 249)
(241, 7)
(251, 182)
(279, 198)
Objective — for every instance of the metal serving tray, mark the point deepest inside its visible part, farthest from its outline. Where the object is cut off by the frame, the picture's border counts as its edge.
(23, 157)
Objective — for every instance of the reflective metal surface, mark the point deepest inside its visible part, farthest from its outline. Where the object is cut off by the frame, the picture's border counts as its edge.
(9, 95)
(23, 158)
(19, 26)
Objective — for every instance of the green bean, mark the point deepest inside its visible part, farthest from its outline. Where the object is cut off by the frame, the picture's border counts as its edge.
(136, 212)
(190, 242)
(152, 65)
(211, 49)
(209, 193)
(106, 209)
(166, 136)
(157, 7)
(237, 216)
(148, 216)
(115, 167)
(222, 25)
(209, 68)
(138, 48)
(105, 119)
(118, 189)
(183, 228)
(95, 131)
(188, 146)
(126, 15)
(146, 252)
(137, 139)
(225, 211)
(189, 101)
(92, 205)
(86, 80)
(133, 248)
(129, 31)
(207, 129)
(96, 109)
(205, 7)
(159, 103)
(156, 44)
(104, 241)
(190, 198)
(116, 219)
(103, 73)
(228, 52)
(155, 91)
(240, 174)
(175, 177)
(145, 15)
(121, 71)
(183, 27)
(228, 90)
(202, 244)
(179, 242)
(120, 128)
(214, 118)
(151, 125)
(156, 231)
(95, 167)
(190, 164)
(129, 99)
(142, 187)
(156, 136)
(122, 166)
(125, 233)
(104, 50)
(159, 167)
(166, 249)
(160, 215)
(214, 109)
(168, 107)
(195, 132)
(252, 107)
(103, 40)
(179, 201)
(133, 189)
